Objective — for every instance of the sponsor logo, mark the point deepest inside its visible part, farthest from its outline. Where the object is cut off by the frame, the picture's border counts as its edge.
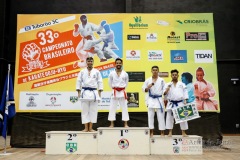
(73, 99)
(178, 56)
(31, 27)
(71, 147)
(31, 53)
(41, 25)
(133, 55)
(133, 37)
(203, 56)
(151, 37)
(27, 28)
(123, 143)
(199, 22)
(155, 55)
(163, 74)
(176, 149)
(133, 99)
(173, 38)
(53, 100)
(196, 36)
(31, 102)
(138, 24)
(162, 23)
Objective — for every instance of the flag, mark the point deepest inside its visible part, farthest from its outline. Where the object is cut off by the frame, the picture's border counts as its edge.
(7, 109)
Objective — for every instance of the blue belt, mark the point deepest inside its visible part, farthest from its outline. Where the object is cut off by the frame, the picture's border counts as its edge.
(175, 103)
(156, 96)
(90, 89)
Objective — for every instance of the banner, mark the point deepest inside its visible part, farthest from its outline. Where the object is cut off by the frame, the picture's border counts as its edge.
(51, 50)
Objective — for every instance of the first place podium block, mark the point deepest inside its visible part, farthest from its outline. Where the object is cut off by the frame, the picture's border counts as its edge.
(123, 141)
(176, 145)
(71, 142)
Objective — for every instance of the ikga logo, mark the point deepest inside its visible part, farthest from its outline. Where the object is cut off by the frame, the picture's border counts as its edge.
(178, 56)
(138, 23)
(151, 37)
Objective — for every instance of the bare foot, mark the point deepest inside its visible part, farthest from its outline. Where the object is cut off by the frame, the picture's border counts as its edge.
(111, 126)
(92, 130)
(126, 126)
(151, 135)
(85, 130)
(170, 133)
(185, 135)
(162, 133)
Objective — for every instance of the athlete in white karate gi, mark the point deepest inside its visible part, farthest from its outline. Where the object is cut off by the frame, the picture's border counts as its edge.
(118, 81)
(108, 38)
(154, 87)
(177, 95)
(204, 92)
(88, 81)
(85, 29)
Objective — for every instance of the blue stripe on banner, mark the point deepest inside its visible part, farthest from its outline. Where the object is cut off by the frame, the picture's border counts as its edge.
(105, 73)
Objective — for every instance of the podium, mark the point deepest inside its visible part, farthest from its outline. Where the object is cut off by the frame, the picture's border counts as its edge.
(176, 145)
(123, 141)
(71, 142)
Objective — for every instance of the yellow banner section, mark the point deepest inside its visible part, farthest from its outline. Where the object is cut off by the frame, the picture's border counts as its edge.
(51, 50)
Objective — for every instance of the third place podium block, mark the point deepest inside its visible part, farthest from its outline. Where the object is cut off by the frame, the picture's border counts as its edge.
(176, 145)
(123, 141)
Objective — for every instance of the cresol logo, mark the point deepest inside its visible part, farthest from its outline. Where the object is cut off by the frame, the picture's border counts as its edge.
(193, 21)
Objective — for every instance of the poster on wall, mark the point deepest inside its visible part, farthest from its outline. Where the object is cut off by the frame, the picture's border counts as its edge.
(52, 49)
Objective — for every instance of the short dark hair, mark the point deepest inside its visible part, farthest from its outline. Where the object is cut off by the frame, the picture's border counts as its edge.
(188, 76)
(155, 67)
(83, 17)
(118, 59)
(89, 58)
(174, 70)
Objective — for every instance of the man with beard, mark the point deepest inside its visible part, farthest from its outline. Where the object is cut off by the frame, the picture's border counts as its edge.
(118, 81)
(176, 93)
(88, 81)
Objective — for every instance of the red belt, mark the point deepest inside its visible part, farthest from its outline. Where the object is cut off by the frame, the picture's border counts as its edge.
(120, 89)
